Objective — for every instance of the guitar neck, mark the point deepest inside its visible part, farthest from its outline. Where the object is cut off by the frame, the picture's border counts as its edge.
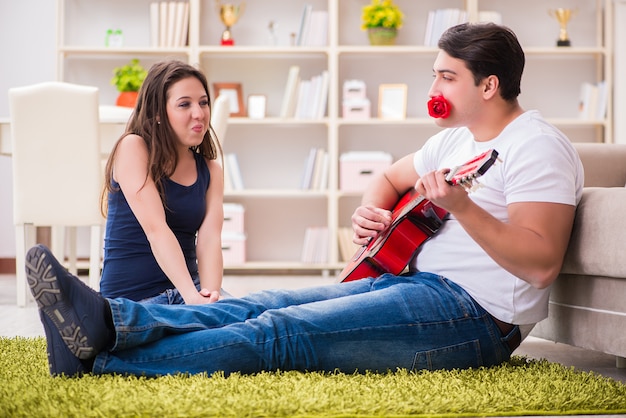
(466, 174)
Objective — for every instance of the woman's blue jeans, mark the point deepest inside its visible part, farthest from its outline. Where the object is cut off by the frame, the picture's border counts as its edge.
(416, 321)
(171, 296)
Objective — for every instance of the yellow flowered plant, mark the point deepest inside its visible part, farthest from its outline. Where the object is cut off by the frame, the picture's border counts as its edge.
(381, 13)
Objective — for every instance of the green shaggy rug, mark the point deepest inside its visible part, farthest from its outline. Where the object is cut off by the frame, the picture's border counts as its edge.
(519, 387)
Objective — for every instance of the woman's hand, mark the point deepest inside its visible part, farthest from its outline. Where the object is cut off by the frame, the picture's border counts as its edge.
(367, 222)
(204, 296)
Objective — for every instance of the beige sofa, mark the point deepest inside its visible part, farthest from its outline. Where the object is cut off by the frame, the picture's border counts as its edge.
(588, 300)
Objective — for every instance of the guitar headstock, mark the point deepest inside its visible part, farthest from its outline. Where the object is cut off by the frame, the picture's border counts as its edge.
(465, 175)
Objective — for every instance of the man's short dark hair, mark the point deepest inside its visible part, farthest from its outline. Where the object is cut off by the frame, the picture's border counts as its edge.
(487, 49)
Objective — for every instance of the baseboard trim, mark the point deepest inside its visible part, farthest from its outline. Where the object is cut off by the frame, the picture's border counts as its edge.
(7, 266)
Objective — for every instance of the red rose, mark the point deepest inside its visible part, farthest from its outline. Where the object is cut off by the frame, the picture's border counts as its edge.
(438, 107)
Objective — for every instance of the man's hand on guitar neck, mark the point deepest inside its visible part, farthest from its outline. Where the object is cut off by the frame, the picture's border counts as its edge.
(367, 222)
(434, 187)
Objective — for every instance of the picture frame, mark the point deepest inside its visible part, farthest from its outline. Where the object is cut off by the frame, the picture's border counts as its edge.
(234, 91)
(392, 101)
(256, 106)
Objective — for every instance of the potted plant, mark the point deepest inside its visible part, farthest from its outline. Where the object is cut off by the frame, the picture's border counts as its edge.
(382, 19)
(128, 79)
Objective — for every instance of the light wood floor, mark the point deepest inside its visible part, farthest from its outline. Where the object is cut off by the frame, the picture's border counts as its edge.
(25, 322)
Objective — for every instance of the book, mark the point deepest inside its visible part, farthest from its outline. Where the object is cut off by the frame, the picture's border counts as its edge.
(232, 165)
(321, 99)
(312, 97)
(309, 168)
(181, 24)
(288, 106)
(323, 181)
(162, 24)
(178, 23)
(305, 22)
(318, 169)
(303, 100)
(439, 20)
(171, 23)
(587, 107)
(154, 24)
(317, 32)
(185, 35)
(315, 173)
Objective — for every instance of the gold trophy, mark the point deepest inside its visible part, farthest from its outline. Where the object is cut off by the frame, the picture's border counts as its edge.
(563, 16)
(229, 14)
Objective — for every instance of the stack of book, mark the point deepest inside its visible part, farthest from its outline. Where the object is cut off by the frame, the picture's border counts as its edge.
(439, 20)
(315, 176)
(313, 27)
(315, 248)
(169, 23)
(593, 101)
(305, 99)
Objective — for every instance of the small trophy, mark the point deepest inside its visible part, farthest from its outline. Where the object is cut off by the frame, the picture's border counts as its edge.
(563, 16)
(229, 14)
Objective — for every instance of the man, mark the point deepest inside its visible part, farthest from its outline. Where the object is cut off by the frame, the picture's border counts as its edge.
(475, 290)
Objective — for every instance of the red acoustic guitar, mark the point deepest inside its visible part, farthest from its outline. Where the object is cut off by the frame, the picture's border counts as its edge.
(414, 219)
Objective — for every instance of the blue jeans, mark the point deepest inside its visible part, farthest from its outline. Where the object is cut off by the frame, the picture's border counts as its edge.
(171, 296)
(416, 321)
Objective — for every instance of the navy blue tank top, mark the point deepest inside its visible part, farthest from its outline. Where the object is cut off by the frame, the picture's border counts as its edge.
(130, 269)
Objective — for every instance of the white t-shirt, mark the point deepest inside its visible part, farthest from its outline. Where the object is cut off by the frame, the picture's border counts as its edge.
(539, 164)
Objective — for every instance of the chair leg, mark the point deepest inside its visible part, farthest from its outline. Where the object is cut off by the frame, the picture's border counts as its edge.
(57, 244)
(24, 240)
(71, 233)
(94, 257)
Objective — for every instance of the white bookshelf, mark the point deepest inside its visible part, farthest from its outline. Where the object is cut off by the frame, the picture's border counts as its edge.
(272, 151)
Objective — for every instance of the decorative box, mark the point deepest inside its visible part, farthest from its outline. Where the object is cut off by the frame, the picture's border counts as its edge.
(233, 218)
(356, 109)
(357, 168)
(233, 248)
(354, 89)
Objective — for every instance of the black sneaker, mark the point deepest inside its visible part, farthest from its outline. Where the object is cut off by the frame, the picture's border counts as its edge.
(73, 308)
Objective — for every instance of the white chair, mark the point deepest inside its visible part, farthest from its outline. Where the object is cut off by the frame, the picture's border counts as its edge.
(57, 174)
(220, 110)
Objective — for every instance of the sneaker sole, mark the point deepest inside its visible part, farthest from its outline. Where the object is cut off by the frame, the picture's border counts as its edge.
(60, 360)
(45, 289)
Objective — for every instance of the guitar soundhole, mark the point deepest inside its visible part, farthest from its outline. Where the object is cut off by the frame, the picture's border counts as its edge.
(430, 219)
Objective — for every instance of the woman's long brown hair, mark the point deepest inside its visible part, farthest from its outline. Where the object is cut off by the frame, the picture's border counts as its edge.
(159, 137)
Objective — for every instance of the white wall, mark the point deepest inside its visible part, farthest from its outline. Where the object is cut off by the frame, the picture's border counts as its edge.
(27, 48)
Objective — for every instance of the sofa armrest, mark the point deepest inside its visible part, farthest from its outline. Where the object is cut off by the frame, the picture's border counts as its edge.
(599, 236)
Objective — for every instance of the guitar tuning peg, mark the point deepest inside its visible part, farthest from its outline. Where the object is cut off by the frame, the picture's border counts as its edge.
(476, 185)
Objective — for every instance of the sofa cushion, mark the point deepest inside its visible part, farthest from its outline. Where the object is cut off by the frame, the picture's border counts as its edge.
(605, 164)
(596, 247)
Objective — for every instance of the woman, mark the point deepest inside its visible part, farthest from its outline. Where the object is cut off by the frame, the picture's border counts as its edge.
(164, 194)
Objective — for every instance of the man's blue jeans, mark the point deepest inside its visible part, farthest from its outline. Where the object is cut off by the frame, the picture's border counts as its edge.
(417, 321)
